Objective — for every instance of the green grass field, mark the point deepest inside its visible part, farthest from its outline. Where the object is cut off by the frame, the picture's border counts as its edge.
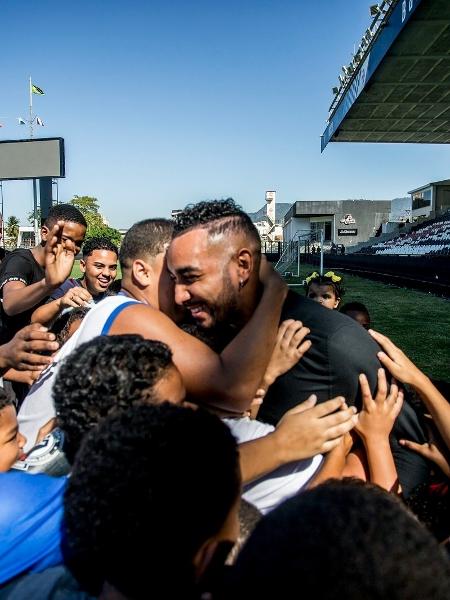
(418, 322)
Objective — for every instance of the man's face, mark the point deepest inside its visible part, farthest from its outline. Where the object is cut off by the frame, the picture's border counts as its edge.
(72, 236)
(100, 269)
(11, 441)
(206, 283)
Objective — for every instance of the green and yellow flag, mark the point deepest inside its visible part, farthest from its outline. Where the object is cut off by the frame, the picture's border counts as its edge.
(37, 90)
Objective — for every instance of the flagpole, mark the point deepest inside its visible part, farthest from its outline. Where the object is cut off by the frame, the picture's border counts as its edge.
(31, 110)
(35, 206)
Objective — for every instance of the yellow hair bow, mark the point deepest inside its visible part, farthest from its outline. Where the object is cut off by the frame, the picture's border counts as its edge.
(334, 278)
(312, 276)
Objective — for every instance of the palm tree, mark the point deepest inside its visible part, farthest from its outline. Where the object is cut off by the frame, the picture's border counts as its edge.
(12, 231)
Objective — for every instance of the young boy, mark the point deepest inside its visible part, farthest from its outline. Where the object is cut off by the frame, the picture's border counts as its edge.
(99, 268)
(11, 441)
(28, 277)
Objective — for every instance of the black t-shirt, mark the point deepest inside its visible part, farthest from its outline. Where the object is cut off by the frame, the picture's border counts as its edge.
(341, 350)
(19, 265)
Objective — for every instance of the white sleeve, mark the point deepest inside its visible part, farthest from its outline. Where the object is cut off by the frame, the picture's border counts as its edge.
(286, 481)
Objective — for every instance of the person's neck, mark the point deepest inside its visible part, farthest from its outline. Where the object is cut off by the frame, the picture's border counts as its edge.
(144, 295)
(38, 253)
(249, 302)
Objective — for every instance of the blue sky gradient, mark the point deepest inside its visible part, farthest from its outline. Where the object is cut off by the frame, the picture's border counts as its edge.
(166, 103)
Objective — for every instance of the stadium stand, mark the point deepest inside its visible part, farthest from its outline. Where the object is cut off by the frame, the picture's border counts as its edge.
(428, 238)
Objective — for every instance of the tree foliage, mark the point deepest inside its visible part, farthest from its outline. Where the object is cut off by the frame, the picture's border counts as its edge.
(89, 207)
(97, 226)
(30, 217)
(12, 231)
(104, 231)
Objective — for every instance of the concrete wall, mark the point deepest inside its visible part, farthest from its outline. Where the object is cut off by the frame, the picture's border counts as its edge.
(367, 214)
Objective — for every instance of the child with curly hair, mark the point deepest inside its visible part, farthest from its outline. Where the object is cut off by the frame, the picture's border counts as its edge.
(326, 289)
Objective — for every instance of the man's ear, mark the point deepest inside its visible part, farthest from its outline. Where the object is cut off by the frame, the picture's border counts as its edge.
(142, 272)
(82, 265)
(44, 233)
(245, 264)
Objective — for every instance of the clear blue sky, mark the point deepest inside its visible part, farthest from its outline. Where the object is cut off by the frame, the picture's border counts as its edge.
(165, 103)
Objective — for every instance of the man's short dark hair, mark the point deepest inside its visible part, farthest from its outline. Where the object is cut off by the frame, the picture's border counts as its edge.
(150, 485)
(145, 239)
(106, 374)
(5, 399)
(64, 212)
(343, 539)
(217, 216)
(98, 243)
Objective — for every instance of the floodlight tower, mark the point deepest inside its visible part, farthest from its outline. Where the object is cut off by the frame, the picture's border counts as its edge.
(270, 208)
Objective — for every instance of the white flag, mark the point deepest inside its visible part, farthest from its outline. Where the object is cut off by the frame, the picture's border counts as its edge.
(39, 121)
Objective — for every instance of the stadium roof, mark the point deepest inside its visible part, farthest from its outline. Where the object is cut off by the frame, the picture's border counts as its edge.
(442, 182)
(397, 88)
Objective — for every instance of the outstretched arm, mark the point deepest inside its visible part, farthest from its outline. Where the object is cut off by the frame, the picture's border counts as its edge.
(289, 349)
(47, 313)
(23, 351)
(334, 463)
(227, 381)
(430, 451)
(19, 297)
(303, 432)
(375, 423)
(404, 370)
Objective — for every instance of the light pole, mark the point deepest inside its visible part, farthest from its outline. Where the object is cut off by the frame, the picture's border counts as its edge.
(55, 182)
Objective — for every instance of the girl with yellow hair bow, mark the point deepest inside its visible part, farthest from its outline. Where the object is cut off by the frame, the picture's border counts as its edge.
(326, 289)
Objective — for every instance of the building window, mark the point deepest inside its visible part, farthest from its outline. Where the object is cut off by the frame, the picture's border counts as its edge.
(327, 226)
(421, 199)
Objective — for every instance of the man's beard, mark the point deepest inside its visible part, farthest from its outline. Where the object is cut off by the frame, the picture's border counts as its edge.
(225, 311)
(226, 316)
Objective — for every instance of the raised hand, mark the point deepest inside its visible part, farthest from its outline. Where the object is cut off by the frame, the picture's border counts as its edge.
(22, 352)
(396, 361)
(307, 429)
(58, 259)
(75, 297)
(431, 451)
(378, 414)
(289, 349)
(375, 422)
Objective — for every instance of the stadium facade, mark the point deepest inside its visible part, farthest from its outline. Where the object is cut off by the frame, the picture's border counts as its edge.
(430, 199)
(344, 222)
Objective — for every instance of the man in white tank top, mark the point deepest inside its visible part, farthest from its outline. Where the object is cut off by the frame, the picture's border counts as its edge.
(146, 306)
